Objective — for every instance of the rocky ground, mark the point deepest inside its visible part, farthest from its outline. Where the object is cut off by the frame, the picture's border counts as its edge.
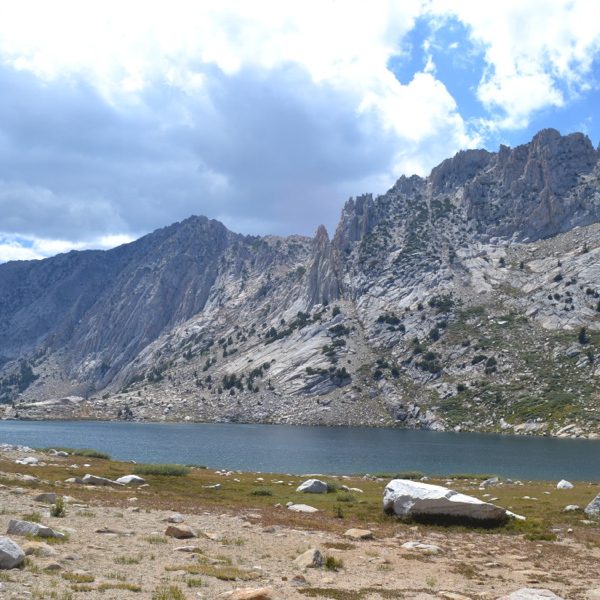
(117, 546)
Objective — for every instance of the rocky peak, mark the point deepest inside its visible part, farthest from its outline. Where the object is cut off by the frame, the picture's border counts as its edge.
(323, 286)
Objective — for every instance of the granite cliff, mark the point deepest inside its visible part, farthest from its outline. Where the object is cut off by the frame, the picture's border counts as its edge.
(468, 299)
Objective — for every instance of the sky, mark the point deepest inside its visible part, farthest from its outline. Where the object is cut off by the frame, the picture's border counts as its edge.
(118, 118)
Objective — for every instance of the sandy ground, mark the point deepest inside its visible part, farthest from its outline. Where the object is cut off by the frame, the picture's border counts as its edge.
(127, 547)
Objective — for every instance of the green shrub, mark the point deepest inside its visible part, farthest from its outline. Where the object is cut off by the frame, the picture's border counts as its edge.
(169, 470)
(262, 491)
(332, 564)
(332, 486)
(345, 497)
(409, 475)
(58, 509)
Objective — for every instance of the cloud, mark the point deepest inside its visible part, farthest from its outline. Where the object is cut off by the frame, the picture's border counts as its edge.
(539, 54)
(122, 121)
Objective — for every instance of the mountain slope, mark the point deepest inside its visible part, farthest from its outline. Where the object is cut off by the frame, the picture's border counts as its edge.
(452, 301)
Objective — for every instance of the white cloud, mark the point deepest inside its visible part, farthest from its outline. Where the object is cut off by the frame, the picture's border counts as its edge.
(539, 53)
(14, 247)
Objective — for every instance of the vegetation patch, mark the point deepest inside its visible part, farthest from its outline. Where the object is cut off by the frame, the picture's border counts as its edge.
(165, 470)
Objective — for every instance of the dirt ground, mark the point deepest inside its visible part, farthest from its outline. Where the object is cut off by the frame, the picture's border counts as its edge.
(121, 551)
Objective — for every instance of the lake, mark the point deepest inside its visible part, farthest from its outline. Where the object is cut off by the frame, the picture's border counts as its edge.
(301, 450)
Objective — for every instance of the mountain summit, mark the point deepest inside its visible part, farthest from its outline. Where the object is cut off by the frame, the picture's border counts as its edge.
(466, 300)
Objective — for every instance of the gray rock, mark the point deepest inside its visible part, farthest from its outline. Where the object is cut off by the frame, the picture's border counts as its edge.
(310, 559)
(403, 497)
(11, 555)
(28, 528)
(95, 480)
(313, 486)
(593, 508)
(49, 497)
(180, 531)
(128, 479)
(532, 594)
(176, 518)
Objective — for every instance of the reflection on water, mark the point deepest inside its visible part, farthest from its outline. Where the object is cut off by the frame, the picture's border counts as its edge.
(296, 449)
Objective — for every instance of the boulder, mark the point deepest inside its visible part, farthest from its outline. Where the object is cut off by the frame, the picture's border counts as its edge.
(563, 484)
(50, 498)
(313, 486)
(422, 501)
(95, 480)
(303, 508)
(359, 534)
(39, 548)
(11, 555)
(29, 528)
(30, 460)
(180, 531)
(175, 518)
(310, 559)
(593, 508)
(128, 479)
(531, 594)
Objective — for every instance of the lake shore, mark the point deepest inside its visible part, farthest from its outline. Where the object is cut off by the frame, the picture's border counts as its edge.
(116, 537)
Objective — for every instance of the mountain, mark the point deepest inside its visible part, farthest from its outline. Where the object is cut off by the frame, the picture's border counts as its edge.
(466, 300)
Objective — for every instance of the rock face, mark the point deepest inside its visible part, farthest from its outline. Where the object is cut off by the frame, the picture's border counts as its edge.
(466, 277)
(403, 497)
(11, 555)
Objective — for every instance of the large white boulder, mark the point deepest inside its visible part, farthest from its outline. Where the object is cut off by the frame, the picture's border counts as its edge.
(313, 486)
(563, 484)
(403, 497)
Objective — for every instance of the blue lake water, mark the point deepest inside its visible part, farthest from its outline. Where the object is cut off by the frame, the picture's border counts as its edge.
(300, 450)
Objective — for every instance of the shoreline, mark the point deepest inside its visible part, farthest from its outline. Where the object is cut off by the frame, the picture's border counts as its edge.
(117, 535)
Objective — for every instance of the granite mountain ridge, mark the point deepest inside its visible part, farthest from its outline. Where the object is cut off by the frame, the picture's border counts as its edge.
(456, 300)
